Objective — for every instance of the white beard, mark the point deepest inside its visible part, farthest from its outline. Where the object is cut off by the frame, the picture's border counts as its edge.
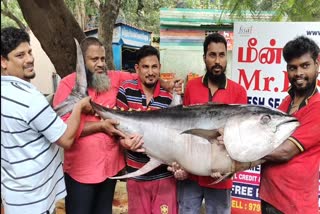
(100, 82)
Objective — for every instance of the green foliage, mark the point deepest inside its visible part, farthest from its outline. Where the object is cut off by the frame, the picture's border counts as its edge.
(285, 10)
(7, 22)
(91, 7)
(144, 14)
(308, 10)
(10, 8)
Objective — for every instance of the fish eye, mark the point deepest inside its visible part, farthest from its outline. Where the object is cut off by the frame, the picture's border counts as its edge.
(265, 119)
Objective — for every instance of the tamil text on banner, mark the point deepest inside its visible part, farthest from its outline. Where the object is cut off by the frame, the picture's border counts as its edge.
(258, 65)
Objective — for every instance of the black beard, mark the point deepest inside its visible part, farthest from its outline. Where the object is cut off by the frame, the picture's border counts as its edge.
(150, 85)
(303, 91)
(216, 78)
(31, 77)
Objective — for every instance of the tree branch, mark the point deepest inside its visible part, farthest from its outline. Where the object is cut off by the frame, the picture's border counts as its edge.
(14, 18)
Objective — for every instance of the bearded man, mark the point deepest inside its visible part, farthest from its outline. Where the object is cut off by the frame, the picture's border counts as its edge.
(96, 154)
(214, 87)
(297, 158)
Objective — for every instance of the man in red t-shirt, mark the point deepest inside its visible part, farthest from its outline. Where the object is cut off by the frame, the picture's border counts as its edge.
(95, 155)
(290, 178)
(214, 87)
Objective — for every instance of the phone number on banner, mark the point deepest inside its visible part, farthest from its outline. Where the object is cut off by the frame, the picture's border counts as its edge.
(243, 206)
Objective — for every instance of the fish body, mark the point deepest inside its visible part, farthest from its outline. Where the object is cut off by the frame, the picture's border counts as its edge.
(186, 134)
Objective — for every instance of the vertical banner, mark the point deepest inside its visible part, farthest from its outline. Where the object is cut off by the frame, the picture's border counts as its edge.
(258, 65)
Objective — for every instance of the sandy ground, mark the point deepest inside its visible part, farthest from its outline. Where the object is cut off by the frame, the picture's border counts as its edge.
(120, 202)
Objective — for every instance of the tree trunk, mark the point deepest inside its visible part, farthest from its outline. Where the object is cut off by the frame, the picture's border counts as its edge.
(55, 27)
(108, 16)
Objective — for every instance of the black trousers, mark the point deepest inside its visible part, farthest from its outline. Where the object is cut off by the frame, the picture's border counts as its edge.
(267, 208)
(89, 198)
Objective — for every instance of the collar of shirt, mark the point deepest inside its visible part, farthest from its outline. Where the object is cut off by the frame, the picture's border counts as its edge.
(16, 79)
(309, 94)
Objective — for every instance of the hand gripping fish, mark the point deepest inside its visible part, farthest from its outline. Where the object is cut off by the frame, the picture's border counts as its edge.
(186, 134)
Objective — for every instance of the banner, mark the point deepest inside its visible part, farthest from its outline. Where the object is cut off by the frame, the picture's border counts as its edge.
(258, 65)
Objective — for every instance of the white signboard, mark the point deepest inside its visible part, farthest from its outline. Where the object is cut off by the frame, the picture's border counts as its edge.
(258, 64)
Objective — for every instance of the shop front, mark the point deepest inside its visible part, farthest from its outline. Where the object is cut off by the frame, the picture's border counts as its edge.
(126, 41)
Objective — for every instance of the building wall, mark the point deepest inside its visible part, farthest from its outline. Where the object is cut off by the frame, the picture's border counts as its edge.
(183, 30)
(43, 67)
(181, 49)
(185, 60)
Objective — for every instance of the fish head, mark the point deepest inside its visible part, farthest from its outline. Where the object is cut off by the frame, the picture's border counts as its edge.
(252, 135)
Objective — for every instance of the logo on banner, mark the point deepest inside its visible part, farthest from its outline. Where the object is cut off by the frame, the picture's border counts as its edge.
(245, 30)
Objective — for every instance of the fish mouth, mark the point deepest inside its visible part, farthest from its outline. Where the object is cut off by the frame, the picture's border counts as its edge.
(287, 121)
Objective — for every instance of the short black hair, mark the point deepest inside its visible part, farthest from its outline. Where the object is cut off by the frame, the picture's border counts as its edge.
(88, 41)
(11, 38)
(147, 50)
(213, 37)
(300, 46)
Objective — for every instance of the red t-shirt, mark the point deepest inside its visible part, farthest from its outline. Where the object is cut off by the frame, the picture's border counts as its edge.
(292, 187)
(95, 157)
(228, 93)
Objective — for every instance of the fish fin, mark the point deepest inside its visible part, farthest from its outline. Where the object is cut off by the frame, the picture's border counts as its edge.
(66, 106)
(81, 77)
(204, 133)
(229, 174)
(80, 89)
(152, 164)
(50, 98)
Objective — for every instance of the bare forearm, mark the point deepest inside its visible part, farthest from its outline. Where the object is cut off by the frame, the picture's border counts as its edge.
(175, 84)
(285, 152)
(107, 126)
(91, 128)
(73, 123)
(166, 84)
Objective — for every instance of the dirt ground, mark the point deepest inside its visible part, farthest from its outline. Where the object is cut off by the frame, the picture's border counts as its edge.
(120, 202)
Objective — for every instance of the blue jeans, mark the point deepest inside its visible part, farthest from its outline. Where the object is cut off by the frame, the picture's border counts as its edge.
(190, 196)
